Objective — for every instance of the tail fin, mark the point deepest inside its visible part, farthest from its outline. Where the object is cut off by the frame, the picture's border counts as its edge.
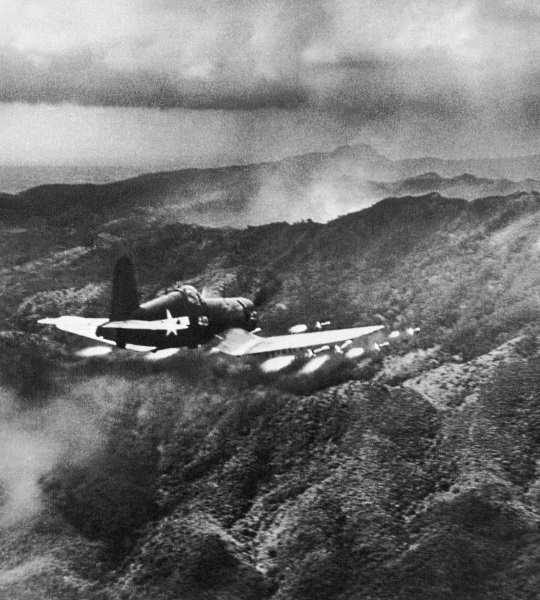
(125, 297)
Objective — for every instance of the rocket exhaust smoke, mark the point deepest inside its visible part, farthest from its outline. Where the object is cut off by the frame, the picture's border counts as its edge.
(26, 454)
(34, 441)
(26, 457)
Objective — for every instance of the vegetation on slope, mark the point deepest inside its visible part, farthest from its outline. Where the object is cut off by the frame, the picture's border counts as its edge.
(196, 477)
(467, 273)
(358, 490)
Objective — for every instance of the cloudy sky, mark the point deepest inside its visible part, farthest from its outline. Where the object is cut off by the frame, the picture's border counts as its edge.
(156, 81)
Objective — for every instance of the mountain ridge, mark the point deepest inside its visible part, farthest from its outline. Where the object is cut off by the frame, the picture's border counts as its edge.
(319, 185)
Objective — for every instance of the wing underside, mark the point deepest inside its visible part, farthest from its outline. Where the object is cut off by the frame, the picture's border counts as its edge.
(86, 327)
(235, 342)
(238, 342)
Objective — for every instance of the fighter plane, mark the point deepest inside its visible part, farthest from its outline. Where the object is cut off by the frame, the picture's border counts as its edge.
(184, 317)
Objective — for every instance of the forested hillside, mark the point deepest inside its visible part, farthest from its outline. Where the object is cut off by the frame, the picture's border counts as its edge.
(467, 273)
(411, 477)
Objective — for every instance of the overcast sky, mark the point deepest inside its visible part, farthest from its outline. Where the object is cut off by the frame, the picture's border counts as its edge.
(148, 81)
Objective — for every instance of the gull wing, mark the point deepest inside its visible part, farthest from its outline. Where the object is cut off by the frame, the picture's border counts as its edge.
(238, 342)
(86, 327)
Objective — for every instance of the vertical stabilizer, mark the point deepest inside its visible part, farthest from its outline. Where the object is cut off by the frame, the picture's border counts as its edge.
(125, 297)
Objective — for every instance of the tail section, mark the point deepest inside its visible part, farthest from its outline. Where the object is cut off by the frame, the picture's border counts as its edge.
(125, 297)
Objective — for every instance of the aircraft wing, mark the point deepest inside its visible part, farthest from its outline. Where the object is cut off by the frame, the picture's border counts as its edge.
(238, 342)
(170, 325)
(86, 327)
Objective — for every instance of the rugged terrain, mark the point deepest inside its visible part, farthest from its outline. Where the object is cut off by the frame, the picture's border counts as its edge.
(318, 186)
(414, 476)
(463, 186)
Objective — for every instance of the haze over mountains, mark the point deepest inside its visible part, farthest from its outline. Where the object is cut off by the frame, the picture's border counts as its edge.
(15, 179)
(317, 186)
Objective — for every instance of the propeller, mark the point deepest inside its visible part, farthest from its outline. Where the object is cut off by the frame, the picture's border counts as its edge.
(267, 290)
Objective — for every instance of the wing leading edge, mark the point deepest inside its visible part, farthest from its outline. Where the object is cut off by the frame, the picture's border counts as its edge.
(238, 342)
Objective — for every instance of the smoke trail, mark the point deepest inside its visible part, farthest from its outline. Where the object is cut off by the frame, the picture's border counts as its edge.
(68, 427)
(25, 457)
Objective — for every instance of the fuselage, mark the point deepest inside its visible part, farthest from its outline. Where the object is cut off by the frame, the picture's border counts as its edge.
(207, 317)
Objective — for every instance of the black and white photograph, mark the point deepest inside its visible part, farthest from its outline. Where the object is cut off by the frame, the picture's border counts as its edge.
(269, 300)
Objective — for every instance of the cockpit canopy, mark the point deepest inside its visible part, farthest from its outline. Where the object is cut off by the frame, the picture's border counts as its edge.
(189, 295)
(184, 301)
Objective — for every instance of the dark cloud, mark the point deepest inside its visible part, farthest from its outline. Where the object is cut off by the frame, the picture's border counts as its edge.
(459, 62)
(377, 59)
(373, 88)
(81, 78)
(376, 88)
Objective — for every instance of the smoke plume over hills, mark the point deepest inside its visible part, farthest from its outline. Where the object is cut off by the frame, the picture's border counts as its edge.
(319, 186)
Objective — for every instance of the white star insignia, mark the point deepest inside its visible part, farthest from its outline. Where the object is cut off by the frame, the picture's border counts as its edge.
(171, 323)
